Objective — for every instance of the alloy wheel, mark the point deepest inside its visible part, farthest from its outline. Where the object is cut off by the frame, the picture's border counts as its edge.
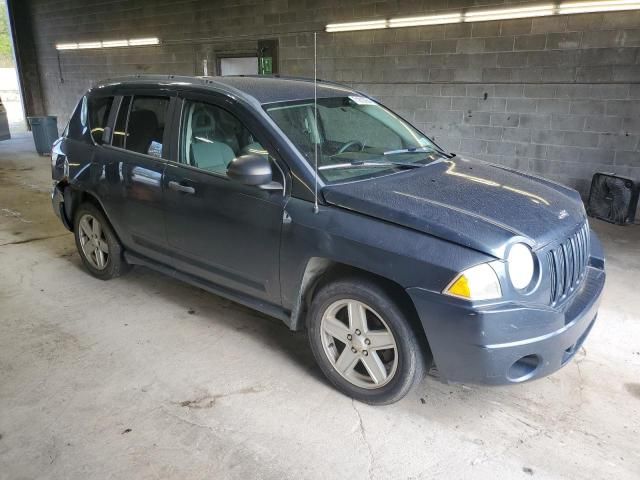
(359, 344)
(93, 241)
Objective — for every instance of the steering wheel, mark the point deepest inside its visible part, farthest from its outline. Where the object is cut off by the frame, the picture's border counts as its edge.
(350, 144)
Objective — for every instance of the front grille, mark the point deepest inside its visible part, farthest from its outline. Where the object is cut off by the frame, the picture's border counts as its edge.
(567, 264)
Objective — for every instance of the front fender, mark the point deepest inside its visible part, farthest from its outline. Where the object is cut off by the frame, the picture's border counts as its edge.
(404, 256)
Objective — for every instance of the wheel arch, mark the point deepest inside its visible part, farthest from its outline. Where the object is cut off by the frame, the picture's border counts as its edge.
(74, 197)
(320, 271)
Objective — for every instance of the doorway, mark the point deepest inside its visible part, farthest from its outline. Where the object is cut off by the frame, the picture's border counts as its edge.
(11, 108)
(238, 66)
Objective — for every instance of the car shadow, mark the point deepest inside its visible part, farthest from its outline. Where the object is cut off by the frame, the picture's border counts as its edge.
(268, 331)
(226, 314)
(431, 398)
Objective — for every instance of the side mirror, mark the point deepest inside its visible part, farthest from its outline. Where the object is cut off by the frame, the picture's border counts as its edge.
(252, 169)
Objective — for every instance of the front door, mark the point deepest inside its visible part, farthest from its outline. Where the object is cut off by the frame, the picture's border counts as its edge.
(218, 229)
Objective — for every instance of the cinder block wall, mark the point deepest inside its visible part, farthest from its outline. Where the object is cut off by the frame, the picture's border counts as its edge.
(557, 96)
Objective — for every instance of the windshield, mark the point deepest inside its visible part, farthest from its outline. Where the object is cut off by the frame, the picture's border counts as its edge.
(356, 137)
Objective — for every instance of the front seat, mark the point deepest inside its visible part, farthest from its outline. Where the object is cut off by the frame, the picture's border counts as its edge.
(207, 153)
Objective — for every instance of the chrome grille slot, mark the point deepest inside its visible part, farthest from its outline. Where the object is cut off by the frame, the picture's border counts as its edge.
(567, 264)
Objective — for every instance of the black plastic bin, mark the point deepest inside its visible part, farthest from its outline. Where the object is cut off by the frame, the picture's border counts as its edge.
(45, 132)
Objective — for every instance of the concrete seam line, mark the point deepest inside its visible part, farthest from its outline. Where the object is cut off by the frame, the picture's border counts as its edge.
(35, 239)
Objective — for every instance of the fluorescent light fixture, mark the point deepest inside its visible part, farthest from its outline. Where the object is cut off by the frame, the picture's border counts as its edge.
(604, 6)
(484, 15)
(84, 45)
(509, 13)
(426, 20)
(351, 26)
(135, 42)
(115, 43)
(67, 46)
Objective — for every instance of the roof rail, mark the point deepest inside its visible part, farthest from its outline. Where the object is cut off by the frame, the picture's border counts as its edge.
(291, 77)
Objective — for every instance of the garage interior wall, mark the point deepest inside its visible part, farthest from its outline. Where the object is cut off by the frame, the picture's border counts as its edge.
(557, 96)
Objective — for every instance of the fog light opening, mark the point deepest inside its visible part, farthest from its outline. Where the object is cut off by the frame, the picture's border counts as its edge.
(524, 368)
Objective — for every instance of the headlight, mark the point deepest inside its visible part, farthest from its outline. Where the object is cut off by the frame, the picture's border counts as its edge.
(476, 283)
(520, 265)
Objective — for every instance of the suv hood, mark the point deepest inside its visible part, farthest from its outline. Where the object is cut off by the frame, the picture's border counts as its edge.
(470, 202)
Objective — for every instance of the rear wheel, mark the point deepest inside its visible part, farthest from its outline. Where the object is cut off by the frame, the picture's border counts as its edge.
(363, 342)
(99, 248)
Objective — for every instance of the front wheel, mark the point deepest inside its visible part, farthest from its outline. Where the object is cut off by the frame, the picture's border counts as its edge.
(363, 342)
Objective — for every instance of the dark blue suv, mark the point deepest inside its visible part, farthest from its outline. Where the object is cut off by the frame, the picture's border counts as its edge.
(315, 204)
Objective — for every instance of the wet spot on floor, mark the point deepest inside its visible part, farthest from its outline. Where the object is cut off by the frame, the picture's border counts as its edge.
(633, 389)
(209, 401)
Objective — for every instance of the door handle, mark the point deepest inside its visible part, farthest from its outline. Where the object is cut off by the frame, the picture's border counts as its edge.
(181, 188)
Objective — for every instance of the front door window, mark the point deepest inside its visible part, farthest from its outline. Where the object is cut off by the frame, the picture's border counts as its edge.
(212, 137)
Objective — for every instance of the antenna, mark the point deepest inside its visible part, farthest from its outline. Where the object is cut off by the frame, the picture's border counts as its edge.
(315, 117)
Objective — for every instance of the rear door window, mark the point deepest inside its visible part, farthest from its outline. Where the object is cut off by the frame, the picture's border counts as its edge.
(145, 127)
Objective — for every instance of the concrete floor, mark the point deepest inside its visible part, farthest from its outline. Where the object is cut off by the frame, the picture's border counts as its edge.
(146, 377)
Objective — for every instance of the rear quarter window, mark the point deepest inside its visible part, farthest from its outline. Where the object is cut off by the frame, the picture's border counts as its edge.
(89, 119)
(78, 128)
(99, 110)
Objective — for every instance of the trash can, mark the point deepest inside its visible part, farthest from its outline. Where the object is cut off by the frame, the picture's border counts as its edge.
(45, 132)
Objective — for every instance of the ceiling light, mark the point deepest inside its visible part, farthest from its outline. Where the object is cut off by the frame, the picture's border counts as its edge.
(115, 43)
(508, 13)
(483, 15)
(605, 6)
(134, 42)
(89, 45)
(351, 26)
(426, 20)
(67, 46)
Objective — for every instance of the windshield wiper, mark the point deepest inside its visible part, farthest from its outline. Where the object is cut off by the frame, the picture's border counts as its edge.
(431, 150)
(409, 150)
(374, 164)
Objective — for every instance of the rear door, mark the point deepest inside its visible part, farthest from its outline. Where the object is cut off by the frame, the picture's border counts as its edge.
(218, 229)
(130, 180)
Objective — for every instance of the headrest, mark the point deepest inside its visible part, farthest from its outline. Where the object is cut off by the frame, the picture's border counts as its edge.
(145, 120)
(202, 122)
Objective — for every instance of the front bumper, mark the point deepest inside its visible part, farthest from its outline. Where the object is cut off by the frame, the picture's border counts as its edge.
(508, 342)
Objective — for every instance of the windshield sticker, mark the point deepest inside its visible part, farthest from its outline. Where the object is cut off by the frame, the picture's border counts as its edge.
(358, 100)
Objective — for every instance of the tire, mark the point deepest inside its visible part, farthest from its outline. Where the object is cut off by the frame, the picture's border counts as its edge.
(89, 224)
(371, 374)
